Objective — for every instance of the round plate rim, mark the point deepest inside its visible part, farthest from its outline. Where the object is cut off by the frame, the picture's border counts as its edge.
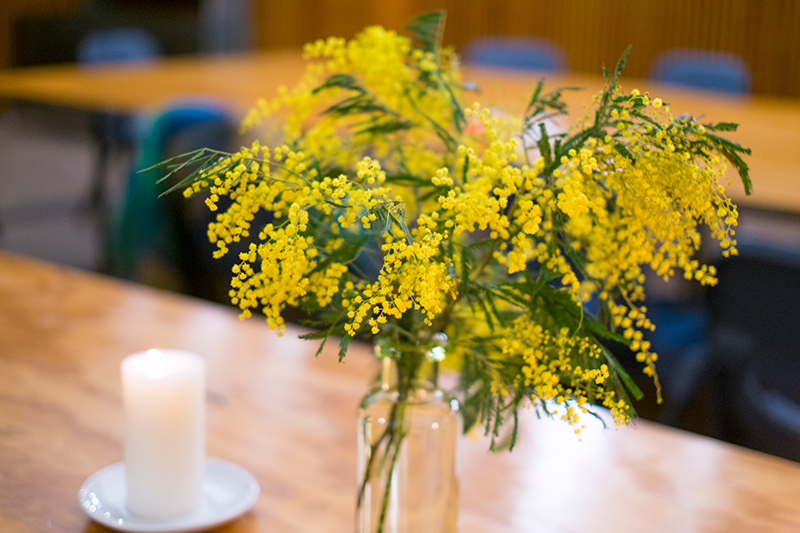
(169, 526)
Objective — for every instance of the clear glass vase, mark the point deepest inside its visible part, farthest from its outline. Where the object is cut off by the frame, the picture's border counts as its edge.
(408, 470)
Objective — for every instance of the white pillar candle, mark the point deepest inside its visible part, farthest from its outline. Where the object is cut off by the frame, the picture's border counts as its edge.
(164, 403)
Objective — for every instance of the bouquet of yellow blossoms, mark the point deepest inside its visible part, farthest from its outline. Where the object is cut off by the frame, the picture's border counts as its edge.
(402, 212)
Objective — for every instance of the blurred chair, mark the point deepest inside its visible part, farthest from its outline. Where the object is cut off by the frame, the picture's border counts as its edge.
(162, 241)
(526, 53)
(702, 69)
(680, 342)
(113, 130)
(754, 350)
(118, 45)
(749, 363)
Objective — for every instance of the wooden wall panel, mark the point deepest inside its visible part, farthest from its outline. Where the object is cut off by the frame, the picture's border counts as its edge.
(286, 23)
(766, 33)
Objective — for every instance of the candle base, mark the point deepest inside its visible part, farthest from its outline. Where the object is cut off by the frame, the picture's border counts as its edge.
(149, 516)
(227, 491)
(163, 501)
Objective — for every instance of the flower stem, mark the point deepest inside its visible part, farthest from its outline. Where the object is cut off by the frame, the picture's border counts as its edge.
(398, 436)
(388, 432)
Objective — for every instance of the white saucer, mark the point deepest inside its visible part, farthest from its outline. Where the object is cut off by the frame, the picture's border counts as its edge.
(227, 492)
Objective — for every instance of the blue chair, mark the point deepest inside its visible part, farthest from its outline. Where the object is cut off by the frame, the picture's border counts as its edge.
(524, 53)
(703, 69)
(682, 348)
(120, 45)
(749, 363)
(755, 349)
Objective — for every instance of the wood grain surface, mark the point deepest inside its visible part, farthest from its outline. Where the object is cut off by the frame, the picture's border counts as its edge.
(290, 419)
(769, 126)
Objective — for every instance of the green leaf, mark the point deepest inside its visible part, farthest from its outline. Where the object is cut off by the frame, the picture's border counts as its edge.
(515, 430)
(441, 132)
(321, 346)
(466, 261)
(450, 265)
(729, 146)
(343, 81)
(459, 118)
(336, 326)
(487, 314)
(194, 159)
(620, 65)
(490, 300)
(544, 145)
(535, 96)
(400, 220)
(510, 296)
(608, 90)
(387, 222)
(343, 254)
(617, 369)
(481, 243)
(623, 151)
(600, 329)
(428, 29)
(642, 116)
(434, 192)
(731, 151)
(408, 179)
(598, 417)
(557, 148)
(547, 106)
(742, 169)
(382, 120)
(189, 156)
(343, 344)
(384, 128)
(355, 105)
(313, 336)
(722, 126)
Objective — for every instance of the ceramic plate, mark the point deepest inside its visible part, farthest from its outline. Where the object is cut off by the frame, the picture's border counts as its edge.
(227, 492)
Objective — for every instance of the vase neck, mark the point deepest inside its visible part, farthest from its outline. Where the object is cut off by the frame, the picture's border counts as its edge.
(396, 376)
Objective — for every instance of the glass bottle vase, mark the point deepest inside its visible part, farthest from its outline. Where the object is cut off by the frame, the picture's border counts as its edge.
(408, 472)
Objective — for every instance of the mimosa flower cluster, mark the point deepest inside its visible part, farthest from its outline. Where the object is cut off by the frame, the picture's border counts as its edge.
(401, 210)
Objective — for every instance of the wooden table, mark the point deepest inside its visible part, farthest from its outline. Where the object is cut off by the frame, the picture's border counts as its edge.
(291, 420)
(768, 125)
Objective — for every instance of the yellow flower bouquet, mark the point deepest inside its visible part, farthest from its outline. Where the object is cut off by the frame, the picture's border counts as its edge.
(404, 213)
